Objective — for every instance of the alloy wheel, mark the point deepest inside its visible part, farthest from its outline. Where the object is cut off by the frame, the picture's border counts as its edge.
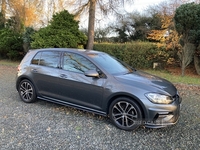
(125, 114)
(27, 91)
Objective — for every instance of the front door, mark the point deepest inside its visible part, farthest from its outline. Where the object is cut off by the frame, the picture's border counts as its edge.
(75, 87)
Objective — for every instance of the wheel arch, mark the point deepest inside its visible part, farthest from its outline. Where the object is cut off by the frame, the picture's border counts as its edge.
(134, 98)
(25, 78)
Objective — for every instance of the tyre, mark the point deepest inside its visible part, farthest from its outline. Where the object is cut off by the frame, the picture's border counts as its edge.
(125, 114)
(27, 91)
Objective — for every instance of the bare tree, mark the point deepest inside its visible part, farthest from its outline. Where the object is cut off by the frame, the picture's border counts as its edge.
(22, 12)
(91, 6)
(28, 12)
(48, 8)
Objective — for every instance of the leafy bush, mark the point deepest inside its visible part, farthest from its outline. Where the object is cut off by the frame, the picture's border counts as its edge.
(11, 44)
(61, 32)
(13, 55)
(137, 54)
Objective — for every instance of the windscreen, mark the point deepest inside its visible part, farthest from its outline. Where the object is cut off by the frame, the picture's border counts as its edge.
(110, 64)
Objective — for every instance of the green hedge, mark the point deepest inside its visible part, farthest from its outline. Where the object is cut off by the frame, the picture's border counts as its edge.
(137, 54)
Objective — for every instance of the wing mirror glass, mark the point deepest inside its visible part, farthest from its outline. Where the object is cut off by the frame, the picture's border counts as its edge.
(92, 73)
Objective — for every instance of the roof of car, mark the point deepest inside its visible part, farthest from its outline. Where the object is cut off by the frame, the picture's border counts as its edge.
(68, 50)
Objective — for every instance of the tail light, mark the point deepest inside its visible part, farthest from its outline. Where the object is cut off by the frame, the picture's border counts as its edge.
(18, 68)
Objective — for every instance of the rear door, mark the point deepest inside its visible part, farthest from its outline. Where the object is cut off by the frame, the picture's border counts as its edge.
(45, 72)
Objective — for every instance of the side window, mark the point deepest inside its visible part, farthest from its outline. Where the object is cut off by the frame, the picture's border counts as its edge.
(36, 59)
(77, 63)
(47, 58)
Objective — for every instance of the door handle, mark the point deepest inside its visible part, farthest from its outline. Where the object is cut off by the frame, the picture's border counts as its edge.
(63, 76)
(34, 70)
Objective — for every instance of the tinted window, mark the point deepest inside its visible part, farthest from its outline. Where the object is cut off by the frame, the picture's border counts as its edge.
(36, 59)
(50, 59)
(110, 64)
(77, 63)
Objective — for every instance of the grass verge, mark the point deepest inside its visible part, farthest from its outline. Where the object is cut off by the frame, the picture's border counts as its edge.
(9, 63)
(175, 78)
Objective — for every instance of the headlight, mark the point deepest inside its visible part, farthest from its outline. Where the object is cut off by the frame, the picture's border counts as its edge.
(158, 98)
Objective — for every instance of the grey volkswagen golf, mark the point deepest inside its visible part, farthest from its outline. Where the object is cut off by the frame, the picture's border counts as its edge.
(97, 82)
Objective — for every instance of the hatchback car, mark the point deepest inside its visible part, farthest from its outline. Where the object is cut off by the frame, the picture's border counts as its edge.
(97, 82)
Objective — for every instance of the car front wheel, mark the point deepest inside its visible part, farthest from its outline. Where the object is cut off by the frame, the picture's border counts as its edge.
(125, 114)
(27, 91)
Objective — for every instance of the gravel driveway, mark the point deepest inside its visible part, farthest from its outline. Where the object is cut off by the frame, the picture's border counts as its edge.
(43, 125)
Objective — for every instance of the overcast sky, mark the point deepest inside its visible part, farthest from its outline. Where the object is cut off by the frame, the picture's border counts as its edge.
(138, 5)
(141, 5)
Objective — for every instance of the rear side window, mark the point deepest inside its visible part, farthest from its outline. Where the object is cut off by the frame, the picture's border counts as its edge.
(47, 58)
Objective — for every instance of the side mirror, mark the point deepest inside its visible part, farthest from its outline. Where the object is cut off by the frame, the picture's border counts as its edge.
(92, 73)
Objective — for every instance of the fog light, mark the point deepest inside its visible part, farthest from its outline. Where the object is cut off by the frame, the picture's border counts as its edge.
(164, 118)
(167, 118)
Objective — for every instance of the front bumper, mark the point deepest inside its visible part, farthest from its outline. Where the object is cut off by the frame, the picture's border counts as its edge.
(165, 116)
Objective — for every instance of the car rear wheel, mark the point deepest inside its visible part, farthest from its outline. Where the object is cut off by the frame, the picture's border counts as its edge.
(125, 114)
(27, 91)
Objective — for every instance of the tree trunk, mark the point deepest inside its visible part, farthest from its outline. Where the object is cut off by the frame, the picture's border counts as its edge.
(197, 63)
(187, 56)
(182, 67)
(91, 23)
(26, 47)
(3, 10)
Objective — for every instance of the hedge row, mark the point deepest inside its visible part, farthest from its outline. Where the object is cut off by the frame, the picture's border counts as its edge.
(137, 54)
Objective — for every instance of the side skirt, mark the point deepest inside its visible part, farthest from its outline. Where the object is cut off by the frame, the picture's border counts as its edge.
(73, 105)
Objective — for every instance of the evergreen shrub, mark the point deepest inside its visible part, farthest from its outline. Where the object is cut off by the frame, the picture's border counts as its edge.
(137, 54)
